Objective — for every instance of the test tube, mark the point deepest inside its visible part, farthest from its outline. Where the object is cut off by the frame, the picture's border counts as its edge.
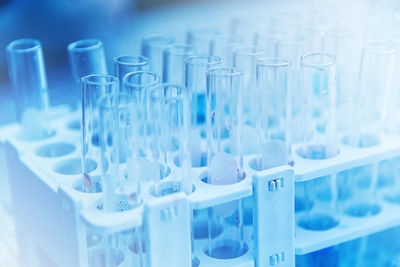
(94, 87)
(170, 116)
(125, 64)
(28, 76)
(222, 46)
(86, 57)
(153, 48)
(273, 125)
(318, 75)
(196, 83)
(225, 158)
(342, 42)
(292, 48)
(138, 84)
(371, 100)
(174, 62)
(200, 38)
(119, 139)
(245, 26)
(245, 58)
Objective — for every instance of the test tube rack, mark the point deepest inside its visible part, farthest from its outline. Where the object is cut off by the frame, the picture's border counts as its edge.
(53, 216)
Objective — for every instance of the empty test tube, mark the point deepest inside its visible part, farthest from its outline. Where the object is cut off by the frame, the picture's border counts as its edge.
(318, 75)
(225, 158)
(222, 46)
(119, 139)
(153, 48)
(93, 88)
(86, 57)
(200, 39)
(28, 76)
(125, 64)
(174, 62)
(196, 83)
(138, 84)
(273, 124)
(170, 117)
(371, 99)
(245, 58)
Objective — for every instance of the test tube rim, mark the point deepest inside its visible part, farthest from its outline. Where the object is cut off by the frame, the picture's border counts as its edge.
(188, 47)
(331, 62)
(259, 51)
(234, 71)
(111, 80)
(95, 44)
(11, 47)
(132, 85)
(391, 48)
(190, 60)
(148, 39)
(184, 91)
(144, 59)
(279, 62)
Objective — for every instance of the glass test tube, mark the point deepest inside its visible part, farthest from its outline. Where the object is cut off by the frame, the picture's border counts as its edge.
(174, 62)
(244, 27)
(371, 102)
(170, 117)
(28, 76)
(86, 57)
(196, 83)
(245, 57)
(222, 46)
(273, 125)
(343, 43)
(125, 64)
(94, 87)
(392, 125)
(138, 85)
(153, 48)
(200, 39)
(119, 137)
(292, 49)
(318, 75)
(225, 158)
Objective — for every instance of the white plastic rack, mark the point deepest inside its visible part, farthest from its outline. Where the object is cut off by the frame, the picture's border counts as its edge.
(55, 220)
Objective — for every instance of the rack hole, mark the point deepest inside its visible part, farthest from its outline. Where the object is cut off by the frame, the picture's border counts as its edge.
(318, 222)
(316, 152)
(363, 141)
(363, 210)
(74, 166)
(226, 249)
(55, 150)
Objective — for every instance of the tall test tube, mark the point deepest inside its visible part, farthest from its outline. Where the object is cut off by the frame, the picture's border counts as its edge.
(225, 158)
(28, 77)
(170, 116)
(153, 48)
(318, 75)
(93, 88)
(196, 83)
(273, 125)
(245, 58)
(174, 62)
(125, 64)
(86, 57)
(138, 84)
